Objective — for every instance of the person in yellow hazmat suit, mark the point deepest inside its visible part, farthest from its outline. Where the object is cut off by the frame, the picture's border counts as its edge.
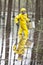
(23, 31)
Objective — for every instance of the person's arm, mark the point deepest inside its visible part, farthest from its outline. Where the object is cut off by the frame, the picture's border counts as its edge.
(28, 22)
(16, 19)
(27, 19)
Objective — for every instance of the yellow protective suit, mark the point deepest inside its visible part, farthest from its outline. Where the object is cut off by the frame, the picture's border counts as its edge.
(22, 29)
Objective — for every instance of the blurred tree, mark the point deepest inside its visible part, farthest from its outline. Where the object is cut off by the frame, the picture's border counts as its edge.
(36, 33)
(40, 46)
(3, 26)
(0, 20)
(8, 29)
(0, 12)
(23, 4)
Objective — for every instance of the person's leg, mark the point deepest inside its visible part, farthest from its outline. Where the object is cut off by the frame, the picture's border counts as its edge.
(20, 33)
(20, 37)
(21, 45)
(18, 51)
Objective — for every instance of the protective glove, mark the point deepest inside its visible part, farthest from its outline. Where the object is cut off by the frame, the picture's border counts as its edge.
(29, 25)
(17, 24)
(30, 21)
(13, 16)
